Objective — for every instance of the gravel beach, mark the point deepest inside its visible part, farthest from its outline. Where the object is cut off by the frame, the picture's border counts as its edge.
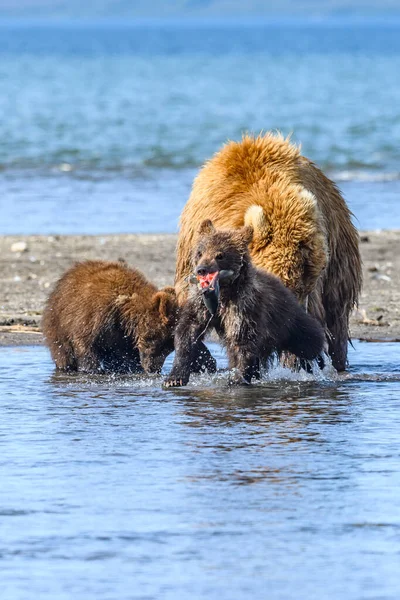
(30, 266)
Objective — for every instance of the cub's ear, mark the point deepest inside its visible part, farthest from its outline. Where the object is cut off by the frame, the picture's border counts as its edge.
(206, 227)
(169, 289)
(246, 234)
(165, 303)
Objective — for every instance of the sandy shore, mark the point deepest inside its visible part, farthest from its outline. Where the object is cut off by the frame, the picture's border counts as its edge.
(30, 265)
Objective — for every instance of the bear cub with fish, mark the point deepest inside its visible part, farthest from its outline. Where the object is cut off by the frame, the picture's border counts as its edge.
(251, 310)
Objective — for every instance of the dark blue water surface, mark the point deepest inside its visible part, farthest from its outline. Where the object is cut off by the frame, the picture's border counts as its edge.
(279, 37)
(114, 488)
(104, 126)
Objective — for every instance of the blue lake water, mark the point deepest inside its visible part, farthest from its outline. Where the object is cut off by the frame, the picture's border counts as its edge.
(104, 126)
(115, 488)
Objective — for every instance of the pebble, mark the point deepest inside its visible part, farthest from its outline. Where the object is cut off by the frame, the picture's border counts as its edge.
(374, 268)
(381, 277)
(19, 247)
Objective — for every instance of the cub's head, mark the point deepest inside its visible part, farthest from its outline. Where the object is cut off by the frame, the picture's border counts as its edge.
(156, 331)
(220, 255)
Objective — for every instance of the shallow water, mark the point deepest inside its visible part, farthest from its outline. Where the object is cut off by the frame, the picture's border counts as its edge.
(115, 488)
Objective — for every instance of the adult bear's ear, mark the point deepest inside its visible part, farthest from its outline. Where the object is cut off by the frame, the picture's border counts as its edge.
(206, 227)
(246, 234)
(256, 218)
(165, 303)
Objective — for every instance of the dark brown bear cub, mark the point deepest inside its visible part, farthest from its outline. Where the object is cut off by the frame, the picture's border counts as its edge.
(106, 317)
(254, 314)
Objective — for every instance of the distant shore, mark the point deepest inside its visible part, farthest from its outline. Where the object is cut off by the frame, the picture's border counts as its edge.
(30, 266)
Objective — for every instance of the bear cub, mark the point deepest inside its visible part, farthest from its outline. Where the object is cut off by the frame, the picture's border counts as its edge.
(106, 317)
(251, 310)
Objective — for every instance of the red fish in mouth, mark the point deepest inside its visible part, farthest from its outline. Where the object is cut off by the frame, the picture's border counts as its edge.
(208, 282)
(209, 286)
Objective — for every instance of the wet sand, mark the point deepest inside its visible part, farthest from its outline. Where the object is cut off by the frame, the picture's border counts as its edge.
(30, 266)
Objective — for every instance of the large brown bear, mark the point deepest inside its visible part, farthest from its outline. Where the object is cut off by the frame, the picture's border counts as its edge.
(302, 227)
(252, 311)
(106, 317)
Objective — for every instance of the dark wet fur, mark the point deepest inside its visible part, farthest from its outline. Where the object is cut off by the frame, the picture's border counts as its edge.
(256, 317)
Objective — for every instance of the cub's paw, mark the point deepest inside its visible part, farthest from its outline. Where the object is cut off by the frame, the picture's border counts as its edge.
(173, 381)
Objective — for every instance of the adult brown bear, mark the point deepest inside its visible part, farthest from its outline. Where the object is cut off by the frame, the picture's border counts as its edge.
(302, 227)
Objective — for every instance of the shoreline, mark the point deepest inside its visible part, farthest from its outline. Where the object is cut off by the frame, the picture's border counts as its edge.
(31, 264)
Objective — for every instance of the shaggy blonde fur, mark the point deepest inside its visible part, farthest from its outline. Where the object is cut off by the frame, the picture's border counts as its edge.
(302, 226)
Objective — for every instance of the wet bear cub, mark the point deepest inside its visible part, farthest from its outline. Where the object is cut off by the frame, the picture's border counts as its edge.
(106, 317)
(254, 314)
